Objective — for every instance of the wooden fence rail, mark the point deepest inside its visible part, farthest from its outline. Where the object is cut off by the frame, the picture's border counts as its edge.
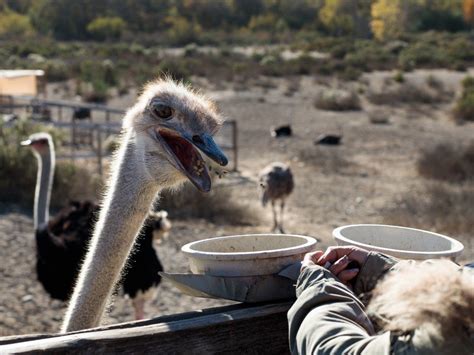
(236, 329)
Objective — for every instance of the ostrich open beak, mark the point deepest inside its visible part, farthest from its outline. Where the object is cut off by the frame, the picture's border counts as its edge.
(186, 158)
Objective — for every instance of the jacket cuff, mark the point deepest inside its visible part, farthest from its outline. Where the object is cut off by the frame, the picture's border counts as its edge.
(376, 265)
(310, 275)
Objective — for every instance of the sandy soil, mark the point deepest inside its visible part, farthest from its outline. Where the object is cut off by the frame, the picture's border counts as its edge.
(351, 183)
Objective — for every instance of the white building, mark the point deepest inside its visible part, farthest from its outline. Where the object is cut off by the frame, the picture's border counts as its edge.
(21, 82)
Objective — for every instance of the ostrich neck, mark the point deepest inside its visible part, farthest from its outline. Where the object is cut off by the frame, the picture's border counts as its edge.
(123, 212)
(44, 182)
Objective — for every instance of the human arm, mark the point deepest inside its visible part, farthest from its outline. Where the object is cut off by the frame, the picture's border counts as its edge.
(327, 318)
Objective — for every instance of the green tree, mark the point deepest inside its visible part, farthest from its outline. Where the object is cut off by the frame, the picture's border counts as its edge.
(243, 10)
(180, 30)
(298, 13)
(346, 17)
(143, 15)
(335, 17)
(20, 6)
(439, 15)
(387, 19)
(265, 22)
(106, 28)
(65, 19)
(13, 24)
(209, 14)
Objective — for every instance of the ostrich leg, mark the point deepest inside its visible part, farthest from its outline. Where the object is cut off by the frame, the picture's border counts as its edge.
(275, 220)
(282, 207)
(139, 307)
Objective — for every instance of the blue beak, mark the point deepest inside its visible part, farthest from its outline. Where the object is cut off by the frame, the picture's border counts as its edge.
(206, 144)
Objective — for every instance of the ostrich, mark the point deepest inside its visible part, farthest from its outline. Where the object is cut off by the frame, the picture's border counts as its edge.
(61, 242)
(161, 136)
(276, 181)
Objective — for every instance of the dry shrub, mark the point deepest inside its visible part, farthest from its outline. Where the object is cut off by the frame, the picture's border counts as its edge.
(433, 82)
(448, 162)
(379, 116)
(74, 183)
(464, 109)
(328, 159)
(437, 206)
(407, 92)
(337, 100)
(293, 85)
(218, 206)
(19, 167)
(401, 93)
(18, 180)
(442, 205)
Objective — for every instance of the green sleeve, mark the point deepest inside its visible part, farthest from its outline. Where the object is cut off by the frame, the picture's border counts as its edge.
(375, 267)
(327, 318)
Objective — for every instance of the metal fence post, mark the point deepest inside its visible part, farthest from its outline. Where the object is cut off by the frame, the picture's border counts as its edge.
(99, 149)
(234, 143)
(107, 120)
(73, 138)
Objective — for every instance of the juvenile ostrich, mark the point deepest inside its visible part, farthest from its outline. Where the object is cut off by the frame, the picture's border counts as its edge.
(158, 149)
(276, 182)
(61, 242)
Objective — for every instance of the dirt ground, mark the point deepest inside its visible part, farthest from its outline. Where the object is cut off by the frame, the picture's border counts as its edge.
(350, 183)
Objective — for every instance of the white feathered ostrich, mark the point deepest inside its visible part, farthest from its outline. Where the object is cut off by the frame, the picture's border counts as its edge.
(276, 182)
(161, 136)
(61, 242)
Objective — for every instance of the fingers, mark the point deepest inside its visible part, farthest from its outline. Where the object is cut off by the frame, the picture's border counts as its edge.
(342, 262)
(339, 265)
(334, 253)
(347, 275)
(311, 258)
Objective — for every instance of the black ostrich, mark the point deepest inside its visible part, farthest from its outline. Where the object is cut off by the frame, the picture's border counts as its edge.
(62, 241)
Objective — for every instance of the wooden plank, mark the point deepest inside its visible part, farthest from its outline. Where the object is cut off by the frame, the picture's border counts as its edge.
(162, 319)
(242, 329)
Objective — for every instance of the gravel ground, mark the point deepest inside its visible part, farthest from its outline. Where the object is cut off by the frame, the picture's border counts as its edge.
(349, 184)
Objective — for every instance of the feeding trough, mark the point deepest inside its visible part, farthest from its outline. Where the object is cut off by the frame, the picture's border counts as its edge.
(247, 255)
(400, 242)
(244, 268)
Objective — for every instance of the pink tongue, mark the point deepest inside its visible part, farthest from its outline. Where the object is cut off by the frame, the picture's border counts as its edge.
(190, 159)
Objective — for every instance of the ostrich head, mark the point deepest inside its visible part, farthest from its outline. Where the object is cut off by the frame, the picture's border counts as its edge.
(169, 124)
(41, 143)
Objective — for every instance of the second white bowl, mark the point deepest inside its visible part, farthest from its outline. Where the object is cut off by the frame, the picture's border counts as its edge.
(400, 242)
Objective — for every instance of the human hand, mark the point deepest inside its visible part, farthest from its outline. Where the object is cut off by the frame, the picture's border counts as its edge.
(339, 261)
(332, 254)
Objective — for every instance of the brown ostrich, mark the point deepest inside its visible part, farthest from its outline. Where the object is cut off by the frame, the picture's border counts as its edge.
(162, 134)
(276, 182)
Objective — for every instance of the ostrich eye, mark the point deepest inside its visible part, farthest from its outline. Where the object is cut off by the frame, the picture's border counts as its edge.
(162, 111)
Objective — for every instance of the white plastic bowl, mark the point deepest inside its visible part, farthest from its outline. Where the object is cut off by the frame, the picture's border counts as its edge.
(400, 242)
(246, 255)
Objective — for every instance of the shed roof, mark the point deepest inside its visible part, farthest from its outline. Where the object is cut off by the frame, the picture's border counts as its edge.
(14, 73)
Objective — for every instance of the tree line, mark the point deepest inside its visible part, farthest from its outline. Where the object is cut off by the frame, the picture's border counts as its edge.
(184, 20)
